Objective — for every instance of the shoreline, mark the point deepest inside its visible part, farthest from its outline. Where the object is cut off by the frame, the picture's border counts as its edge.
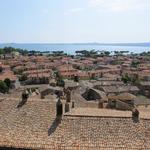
(70, 48)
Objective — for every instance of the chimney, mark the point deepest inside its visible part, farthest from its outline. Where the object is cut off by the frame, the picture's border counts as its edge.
(67, 107)
(135, 115)
(59, 108)
(68, 95)
(25, 97)
(73, 104)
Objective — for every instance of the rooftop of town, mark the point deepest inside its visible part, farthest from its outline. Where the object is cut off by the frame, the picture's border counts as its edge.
(87, 101)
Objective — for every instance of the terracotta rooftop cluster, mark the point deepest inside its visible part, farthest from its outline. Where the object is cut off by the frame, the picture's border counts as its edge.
(7, 73)
(94, 123)
(34, 127)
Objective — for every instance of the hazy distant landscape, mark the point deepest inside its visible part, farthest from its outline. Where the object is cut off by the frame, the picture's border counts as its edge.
(146, 44)
(70, 48)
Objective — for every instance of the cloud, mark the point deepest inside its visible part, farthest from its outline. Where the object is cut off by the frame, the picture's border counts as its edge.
(119, 5)
(74, 11)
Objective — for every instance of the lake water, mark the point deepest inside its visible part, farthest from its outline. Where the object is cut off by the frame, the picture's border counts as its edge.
(71, 48)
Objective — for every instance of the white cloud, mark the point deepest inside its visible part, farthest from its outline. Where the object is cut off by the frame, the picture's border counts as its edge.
(119, 5)
(74, 11)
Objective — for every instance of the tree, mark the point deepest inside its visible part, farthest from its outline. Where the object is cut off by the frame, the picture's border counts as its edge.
(121, 53)
(116, 53)
(9, 50)
(107, 53)
(3, 87)
(58, 53)
(135, 64)
(93, 77)
(23, 52)
(23, 78)
(93, 52)
(87, 53)
(76, 78)
(126, 78)
(8, 82)
(60, 82)
(59, 79)
(145, 53)
(1, 51)
(1, 69)
(32, 53)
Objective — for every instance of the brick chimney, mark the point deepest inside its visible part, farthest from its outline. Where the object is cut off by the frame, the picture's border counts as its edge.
(135, 115)
(59, 108)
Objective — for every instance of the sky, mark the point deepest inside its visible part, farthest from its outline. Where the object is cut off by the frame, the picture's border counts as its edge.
(74, 21)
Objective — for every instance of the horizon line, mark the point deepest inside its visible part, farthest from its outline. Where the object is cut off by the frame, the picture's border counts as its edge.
(75, 43)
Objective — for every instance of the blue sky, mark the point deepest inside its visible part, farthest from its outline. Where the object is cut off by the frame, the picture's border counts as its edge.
(62, 21)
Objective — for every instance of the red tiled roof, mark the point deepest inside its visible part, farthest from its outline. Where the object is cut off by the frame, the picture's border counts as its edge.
(40, 75)
(9, 75)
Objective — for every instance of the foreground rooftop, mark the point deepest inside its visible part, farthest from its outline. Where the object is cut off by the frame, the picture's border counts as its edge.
(95, 112)
(34, 126)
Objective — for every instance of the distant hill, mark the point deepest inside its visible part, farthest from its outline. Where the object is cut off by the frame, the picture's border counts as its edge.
(132, 44)
(117, 44)
(144, 44)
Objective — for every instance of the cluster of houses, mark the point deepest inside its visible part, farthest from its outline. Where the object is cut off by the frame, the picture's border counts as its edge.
(98, 93)
(7, 73)
(41, 70)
